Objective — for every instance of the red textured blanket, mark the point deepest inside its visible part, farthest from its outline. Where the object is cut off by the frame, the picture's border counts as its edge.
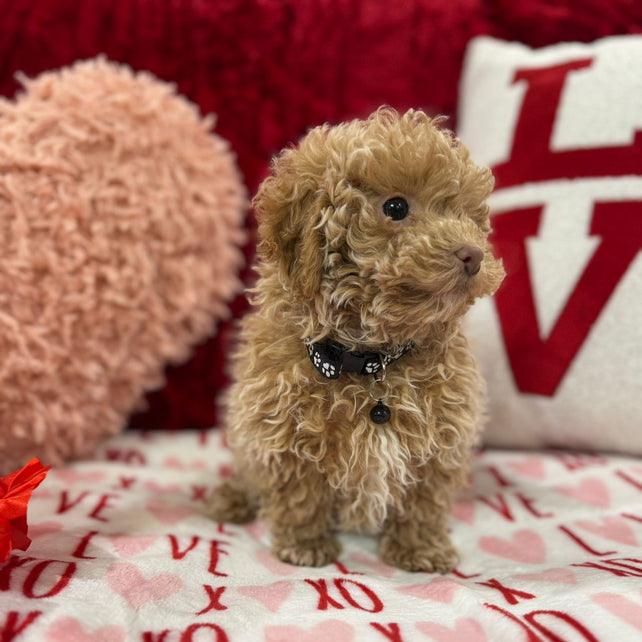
(272, 68)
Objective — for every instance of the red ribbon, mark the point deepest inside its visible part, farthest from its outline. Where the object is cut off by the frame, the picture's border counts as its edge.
(15, 492)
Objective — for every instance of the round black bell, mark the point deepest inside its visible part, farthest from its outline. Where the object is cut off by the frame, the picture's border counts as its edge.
(380, 414)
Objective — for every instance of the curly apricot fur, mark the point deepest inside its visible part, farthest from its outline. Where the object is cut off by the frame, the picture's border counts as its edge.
(332, 265)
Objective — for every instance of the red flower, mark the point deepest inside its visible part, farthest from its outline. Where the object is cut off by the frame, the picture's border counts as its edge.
(15, 492)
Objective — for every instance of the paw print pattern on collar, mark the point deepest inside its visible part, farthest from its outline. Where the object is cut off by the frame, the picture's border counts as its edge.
(331, 359)
(325, 363)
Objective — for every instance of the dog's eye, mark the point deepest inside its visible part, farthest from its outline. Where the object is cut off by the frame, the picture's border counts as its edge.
(396, 208)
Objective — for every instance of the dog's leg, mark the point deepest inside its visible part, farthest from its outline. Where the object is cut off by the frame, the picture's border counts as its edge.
(417, 540)
(231, 503)
(299, 511)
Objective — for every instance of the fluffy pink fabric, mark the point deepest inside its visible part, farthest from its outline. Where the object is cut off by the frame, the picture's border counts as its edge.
(120, 223)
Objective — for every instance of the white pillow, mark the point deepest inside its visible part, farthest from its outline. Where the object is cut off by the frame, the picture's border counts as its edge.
(561, 343)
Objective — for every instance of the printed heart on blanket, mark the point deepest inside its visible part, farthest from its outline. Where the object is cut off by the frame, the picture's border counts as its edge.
(553, 575)
(155, 487)
(44, 528)
(127, 580)
(622, 607)
(130, 545)
(274, 565)
(271, 596)
(440, 589)
(524, 546)
(72, 476)
(330, 630)
(529, 467)
(169, 514)
(258, 529)
(42, 493)
(178, 464)
(611, 527)
(465, 629)
(464, 511)
(68, 629)
(373, 563)
(561, 129)
(590, 490)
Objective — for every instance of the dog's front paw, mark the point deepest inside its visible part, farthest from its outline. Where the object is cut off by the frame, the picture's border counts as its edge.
(437, 556)
(318, 551)
(230, 504)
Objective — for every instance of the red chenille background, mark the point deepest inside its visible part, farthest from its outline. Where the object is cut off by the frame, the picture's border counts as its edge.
(270, 69)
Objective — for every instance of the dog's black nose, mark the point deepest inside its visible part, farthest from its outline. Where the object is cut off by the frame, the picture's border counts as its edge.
(471, 256)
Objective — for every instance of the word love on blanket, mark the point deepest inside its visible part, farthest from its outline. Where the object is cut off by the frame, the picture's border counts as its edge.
(122, 551)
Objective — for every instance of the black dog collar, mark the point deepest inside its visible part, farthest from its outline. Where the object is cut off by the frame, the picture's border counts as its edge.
(331, 359)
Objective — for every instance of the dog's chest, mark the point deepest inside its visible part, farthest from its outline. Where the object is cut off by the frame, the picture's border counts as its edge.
(379, 471)
(368, 465)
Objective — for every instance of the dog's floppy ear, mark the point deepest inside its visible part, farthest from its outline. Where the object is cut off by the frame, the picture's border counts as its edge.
(288, 207)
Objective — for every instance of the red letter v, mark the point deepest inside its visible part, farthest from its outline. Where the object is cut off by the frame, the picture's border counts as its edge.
(538, 364)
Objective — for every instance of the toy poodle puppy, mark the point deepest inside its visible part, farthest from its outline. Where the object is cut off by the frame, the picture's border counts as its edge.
(356, 402)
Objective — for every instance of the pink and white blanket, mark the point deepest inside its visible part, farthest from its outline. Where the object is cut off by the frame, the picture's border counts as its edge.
(550, 548)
